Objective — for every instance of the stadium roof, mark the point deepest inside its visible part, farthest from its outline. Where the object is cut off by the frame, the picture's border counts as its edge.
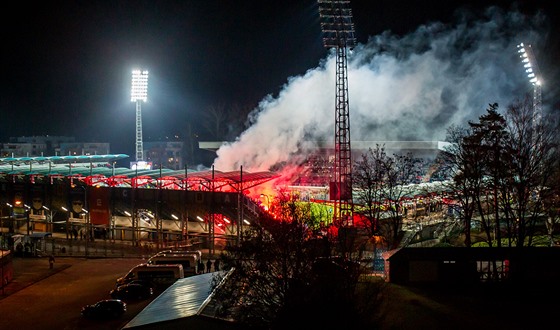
(99, 168)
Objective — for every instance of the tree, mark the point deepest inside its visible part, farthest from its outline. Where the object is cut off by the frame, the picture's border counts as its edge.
(215, 120)
(464, 161)
(534, 161)
(367, 178)
(225, 122)
(505, 165)
(488, 140)
(380, 182)
(278, 273)
(400, 172)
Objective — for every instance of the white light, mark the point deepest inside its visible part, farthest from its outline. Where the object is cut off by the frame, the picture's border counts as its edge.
(199, 218)
(64, 209)
(246, 222)
(139, 90)
(175, 217)
(226, 220)
(9, 205)
(127, 213)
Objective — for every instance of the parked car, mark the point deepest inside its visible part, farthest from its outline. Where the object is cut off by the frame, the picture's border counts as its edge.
(141, 282)
(107, 308)
(132, 291)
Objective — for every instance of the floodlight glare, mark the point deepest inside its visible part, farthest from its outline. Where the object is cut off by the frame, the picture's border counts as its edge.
(139, 90)
(139, 94)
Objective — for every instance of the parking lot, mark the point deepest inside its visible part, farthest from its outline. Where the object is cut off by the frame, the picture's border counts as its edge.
(44, 298)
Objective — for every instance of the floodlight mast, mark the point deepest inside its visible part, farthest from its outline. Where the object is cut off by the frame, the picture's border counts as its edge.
(338, 33)
(139, 94)
(533, 73)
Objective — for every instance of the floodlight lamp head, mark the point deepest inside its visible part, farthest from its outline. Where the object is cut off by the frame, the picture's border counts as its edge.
(139, 90)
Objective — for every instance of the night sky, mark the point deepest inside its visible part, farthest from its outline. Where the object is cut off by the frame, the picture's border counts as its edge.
(67, 64)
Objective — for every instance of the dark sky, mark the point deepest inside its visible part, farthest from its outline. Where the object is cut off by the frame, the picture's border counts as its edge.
(67, 64)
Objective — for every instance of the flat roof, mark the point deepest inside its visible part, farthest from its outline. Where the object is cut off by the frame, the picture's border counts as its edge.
(182, 299)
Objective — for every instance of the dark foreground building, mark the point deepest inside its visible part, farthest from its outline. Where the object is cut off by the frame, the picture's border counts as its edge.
(464, 266)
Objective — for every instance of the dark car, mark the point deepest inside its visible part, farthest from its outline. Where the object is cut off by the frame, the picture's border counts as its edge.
(107, 308)
(141, 282)
(132, 291)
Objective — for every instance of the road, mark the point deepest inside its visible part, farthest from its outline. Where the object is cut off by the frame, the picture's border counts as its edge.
(55, 302)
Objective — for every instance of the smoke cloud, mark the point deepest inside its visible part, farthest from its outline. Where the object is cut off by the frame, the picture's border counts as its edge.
(407, 88)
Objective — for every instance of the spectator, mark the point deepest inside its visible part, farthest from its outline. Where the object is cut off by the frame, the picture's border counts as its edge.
(208, 265)
(200, 266)
(19, 249)
(217, 265)
(51, 262)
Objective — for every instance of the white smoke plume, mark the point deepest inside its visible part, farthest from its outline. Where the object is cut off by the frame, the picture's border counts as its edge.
(408, 88)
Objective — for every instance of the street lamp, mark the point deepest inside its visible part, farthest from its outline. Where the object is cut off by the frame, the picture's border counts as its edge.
(85, 211)
(11, 217)
(67, 219)
(27, 213)
(139, 94)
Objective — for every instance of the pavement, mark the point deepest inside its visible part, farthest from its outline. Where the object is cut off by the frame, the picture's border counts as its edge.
(30, 270)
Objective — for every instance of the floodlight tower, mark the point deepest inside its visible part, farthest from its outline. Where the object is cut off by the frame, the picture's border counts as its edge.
(533, 73)
(139, 94)
(338, 33)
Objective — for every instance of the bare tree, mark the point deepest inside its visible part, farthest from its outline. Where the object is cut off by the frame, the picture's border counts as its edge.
(533, 147)
(380, 182)
(279, 273)
(400, 172)
(215, 120)
(466, 183)
(225, 122)
(367, 177)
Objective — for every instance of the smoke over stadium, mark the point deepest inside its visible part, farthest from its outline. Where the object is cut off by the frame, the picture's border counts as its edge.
(407, 88)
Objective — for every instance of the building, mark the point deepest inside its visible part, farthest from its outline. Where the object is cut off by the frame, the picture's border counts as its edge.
(167, 154)
(33, 146)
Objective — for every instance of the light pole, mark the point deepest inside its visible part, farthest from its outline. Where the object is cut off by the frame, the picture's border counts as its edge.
(11, 218)
(27, 219)
(139, 94)
(88, 230)
(67, 218)
(49, 219)
(85, 211)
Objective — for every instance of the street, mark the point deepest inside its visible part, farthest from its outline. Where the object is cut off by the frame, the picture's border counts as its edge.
(55, 301)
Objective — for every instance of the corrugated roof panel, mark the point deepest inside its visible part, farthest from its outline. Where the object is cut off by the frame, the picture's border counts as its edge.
(182, 299)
